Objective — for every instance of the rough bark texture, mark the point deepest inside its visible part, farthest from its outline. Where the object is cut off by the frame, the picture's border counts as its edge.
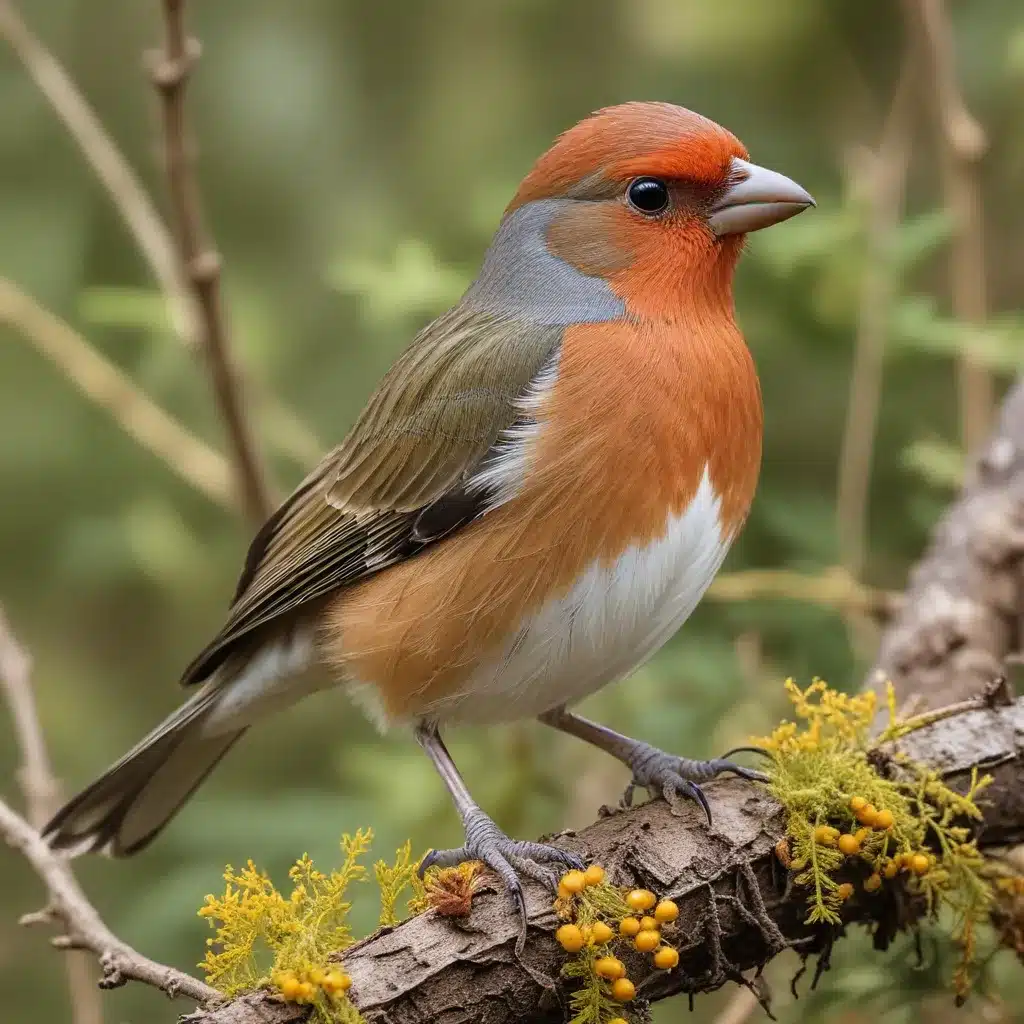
(964, 607)
(735, 911)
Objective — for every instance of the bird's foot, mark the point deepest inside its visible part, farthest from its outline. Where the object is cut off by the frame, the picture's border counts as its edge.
(508, 858)
(678, 779)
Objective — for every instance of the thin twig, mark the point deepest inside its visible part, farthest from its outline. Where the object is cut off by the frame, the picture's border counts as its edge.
(82, 926)
(290, 435)
(100, 380)
(170, 72)
(835, 588)
(963, 145)
(883, 178)
(742, 1003)
(42, 794)
(113, 170)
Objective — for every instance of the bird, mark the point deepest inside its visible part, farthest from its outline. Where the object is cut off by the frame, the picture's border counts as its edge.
(531, 503)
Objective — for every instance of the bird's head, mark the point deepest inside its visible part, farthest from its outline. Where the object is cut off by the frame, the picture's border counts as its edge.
(641, 209)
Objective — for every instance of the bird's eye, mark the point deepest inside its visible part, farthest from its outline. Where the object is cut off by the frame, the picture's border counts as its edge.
(648, 195)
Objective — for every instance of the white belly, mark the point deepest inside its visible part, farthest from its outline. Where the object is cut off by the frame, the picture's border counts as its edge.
(611, 621)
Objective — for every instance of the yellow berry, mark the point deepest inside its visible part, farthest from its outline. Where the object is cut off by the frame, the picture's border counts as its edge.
(290, 987)
(649, 924)
(825, 835)
(629, 926)
(861, 834)
(844, 891)
(666, 911)
(337, 981)
(666, 958)
(640, 899)
(866, 815)
(892, 869)
(570, 938)
(307, 992)
(884, 819)
(919, 864)
(618, 1020)
(873, 882)
(609, 967)
(601, 933)
(594, 875)
(647, 941)
(573, 881)
(316, 975)
(623, 990)
(858, 803)
(849, 844)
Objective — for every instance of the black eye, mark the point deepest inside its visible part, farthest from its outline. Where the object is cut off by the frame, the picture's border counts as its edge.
(648, 195)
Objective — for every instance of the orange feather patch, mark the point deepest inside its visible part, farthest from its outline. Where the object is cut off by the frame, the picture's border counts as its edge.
(632, 139)
(639, 411)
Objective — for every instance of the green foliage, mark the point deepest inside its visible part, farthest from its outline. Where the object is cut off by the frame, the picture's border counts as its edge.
(842, 814)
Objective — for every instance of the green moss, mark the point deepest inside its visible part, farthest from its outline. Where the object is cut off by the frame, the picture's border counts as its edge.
(823, 773)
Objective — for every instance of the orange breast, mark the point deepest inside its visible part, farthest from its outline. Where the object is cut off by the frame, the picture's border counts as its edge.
(638, 411)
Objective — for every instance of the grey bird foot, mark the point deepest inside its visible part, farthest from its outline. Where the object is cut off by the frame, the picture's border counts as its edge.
(678, 778)
(509, 858)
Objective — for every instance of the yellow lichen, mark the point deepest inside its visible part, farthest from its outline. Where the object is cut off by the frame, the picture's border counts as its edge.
(264, 938)
(394, 879)
(842, 812)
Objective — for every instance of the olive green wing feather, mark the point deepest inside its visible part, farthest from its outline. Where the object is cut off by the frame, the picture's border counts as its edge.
(402, 479)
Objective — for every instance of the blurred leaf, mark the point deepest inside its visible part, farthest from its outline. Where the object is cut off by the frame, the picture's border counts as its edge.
(998, 345)
(938, 462)
(122, 306)
(414, 282)
(918, 238)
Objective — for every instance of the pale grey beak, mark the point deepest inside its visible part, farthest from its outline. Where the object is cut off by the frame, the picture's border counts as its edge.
(757, 198)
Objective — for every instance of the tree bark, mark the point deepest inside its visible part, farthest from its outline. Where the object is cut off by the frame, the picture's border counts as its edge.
(964, 606)
(736, 912)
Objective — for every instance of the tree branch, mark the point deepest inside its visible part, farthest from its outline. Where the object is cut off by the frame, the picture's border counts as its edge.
(964, 609)
(962, 145)
(170, 70)
(82, 927)
(42, 792)
(735, 910)
(105, 384)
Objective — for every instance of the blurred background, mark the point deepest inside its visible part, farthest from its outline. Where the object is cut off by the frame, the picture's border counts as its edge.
(354, 160)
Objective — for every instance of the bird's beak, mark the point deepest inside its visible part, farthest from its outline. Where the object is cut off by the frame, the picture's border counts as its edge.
(757, 198)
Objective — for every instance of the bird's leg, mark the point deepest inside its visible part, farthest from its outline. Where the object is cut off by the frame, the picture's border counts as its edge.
(675, 778)
(485, 841)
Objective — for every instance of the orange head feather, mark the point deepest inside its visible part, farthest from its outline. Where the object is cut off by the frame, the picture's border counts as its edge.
(619, 143)
(666, 262)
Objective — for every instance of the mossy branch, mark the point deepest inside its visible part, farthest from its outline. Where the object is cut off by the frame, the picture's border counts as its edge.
(737, 906)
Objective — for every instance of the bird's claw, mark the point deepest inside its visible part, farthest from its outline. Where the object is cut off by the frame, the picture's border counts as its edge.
(508, 858)
(678, 779)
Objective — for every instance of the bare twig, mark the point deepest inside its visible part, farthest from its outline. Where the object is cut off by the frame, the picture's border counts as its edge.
(290, 435)
(170, 71)
(42, 794)
(110, 166)
(82, 926)
(963, 145)
(738, 1009)
(883, 178)
(100, 380)
(835, 588)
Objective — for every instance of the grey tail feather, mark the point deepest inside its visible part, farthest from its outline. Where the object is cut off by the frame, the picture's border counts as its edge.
(130, 803)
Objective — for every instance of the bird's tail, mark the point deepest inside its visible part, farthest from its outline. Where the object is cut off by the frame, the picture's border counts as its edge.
(127, 806)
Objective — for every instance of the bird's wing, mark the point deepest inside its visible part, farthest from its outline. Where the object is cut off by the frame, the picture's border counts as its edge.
(414, 468)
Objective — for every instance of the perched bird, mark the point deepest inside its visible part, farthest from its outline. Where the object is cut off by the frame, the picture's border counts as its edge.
(532, 502)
